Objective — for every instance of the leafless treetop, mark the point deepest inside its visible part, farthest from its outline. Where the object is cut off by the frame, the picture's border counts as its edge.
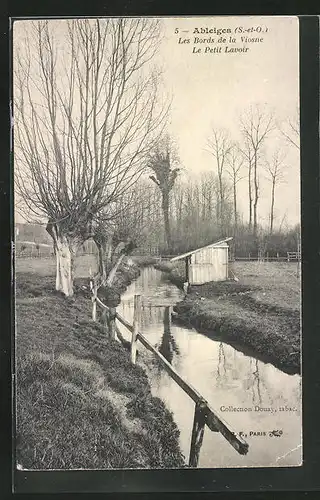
(86, 114)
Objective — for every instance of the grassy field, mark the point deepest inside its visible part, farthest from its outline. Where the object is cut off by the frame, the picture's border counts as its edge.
(47, 267)
(80, 401)
(272, 283)
(260, 313)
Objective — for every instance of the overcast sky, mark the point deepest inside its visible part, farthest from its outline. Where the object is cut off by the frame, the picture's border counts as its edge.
(213, 89)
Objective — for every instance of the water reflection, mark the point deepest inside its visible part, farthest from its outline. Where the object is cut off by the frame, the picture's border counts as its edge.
(256, 391)
(221, 366)
(168, 345)
(224, 376)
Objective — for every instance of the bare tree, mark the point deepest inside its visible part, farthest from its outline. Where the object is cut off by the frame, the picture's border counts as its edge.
(290, 130)
(256, 126)
(219, 146)
(178, 203)
(86, 116)
(163, 161)
(235, 162)
(121, 232)
(275, 172)
(247, 154)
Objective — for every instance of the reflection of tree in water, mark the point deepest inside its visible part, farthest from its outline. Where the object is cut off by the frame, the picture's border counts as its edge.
(222, 365)
(262, 392)
(256, 390)
(230, 368)
(151, 315)
(168, 345)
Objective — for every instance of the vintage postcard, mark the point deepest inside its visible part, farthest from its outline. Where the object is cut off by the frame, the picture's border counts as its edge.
(157, 243)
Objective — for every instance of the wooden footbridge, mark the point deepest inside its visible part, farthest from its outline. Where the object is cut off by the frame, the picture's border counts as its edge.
(204, 414)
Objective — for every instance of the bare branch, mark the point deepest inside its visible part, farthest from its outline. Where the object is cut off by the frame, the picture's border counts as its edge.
(86, 113)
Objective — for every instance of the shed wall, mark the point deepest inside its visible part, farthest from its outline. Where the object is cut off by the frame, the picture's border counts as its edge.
(209, 264)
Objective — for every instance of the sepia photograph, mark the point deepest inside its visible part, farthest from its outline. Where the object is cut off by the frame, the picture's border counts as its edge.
(157, 243)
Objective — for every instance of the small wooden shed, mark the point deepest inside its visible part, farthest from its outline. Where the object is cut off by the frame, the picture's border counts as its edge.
(209, 263)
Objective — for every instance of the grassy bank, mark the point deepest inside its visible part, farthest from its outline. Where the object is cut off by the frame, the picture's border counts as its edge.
(80, 401)
(259, 314)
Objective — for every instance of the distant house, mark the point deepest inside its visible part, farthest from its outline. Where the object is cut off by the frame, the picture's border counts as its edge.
(209, 263)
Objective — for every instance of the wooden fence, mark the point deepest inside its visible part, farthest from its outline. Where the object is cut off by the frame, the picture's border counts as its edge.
(204, 415)
(32, 249)
(262, 258)
(290, 256)
(295, 256)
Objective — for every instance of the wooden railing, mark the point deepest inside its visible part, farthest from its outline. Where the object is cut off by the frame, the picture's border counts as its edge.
(204, 414)
(293, 256)
(262, 257)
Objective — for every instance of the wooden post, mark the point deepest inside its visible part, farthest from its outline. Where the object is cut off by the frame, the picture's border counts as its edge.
(170, 317)
(187, 269)
(199, 423)
(136, 326)
(94, 303)
(112, 323)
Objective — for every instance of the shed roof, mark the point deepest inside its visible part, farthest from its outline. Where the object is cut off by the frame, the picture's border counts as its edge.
(216, 244)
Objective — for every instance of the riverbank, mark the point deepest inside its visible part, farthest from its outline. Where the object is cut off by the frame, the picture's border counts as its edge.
(80, 401)
(259, 314)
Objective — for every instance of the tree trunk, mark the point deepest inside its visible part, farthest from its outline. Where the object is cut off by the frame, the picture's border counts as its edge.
(114, 270)
(221, 202)
(250, 197)
(235, 205)
(165, 208)
(272, 204)
(102, 257)
(65, 266)
(218, 212)
(256, 198)
(235, 229)
(104, 246)
(65, 248)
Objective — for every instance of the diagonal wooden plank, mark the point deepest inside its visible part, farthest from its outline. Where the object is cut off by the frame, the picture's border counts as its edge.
(213, 421)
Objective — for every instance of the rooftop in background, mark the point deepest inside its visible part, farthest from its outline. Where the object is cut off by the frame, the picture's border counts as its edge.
(219, 243)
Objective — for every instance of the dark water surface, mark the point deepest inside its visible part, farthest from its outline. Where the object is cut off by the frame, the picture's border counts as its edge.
(266, 398)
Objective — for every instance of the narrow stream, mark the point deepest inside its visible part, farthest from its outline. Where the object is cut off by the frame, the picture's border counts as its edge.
(266, 398)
